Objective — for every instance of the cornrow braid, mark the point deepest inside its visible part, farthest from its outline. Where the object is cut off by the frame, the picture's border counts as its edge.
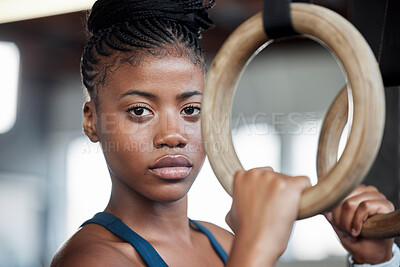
(127, 28)
(159, 30)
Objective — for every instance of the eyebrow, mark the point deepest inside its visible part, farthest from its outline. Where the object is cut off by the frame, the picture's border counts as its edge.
(137, 92)
(187, 95)
(150, 95)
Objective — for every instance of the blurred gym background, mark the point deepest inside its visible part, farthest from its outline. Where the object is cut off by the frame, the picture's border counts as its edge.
(52, 177)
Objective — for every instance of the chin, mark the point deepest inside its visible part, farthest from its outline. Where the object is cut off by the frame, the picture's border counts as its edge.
(170, 193)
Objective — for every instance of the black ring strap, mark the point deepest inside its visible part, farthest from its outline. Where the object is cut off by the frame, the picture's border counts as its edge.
(277, 19)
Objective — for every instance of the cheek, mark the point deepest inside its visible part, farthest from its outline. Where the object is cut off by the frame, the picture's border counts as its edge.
(196, 141)
(136, 139)
(122, 135)
(128, 153)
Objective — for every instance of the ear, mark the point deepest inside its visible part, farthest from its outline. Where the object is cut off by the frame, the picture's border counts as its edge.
(89, 121)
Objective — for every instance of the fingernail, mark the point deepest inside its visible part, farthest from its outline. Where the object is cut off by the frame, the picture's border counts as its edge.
(354, 232)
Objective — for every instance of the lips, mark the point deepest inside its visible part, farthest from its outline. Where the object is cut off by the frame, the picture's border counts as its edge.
(171, 167)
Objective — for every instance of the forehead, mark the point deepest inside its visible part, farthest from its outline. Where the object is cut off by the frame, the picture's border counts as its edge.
(168, 75)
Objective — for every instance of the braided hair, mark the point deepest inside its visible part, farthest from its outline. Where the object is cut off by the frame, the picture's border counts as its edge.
(124, 30)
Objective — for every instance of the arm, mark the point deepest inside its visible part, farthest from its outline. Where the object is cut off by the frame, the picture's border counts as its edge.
(347, 220)
(265, 206)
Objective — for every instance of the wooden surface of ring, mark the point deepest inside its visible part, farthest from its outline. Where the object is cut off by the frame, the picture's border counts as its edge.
(378, 226)
(364, 78)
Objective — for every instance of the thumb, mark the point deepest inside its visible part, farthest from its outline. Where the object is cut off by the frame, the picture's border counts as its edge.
(230, 220)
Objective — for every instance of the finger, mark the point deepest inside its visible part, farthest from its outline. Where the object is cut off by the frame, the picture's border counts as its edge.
(229, 220)
(350, 204)
(367, 209)
(360, 189)
(267, 168)
(239, 173)
(346, 239)
(237, 178)
(303, 182)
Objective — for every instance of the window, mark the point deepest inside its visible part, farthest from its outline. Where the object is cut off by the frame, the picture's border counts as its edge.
(9, 74)
(312, 238)
(88, 182)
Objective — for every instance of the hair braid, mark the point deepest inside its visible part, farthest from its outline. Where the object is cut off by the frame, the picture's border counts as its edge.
(127, 39)
(161, 27)
(142, 28)
(108, 40)
(121, 29)
(98, 43)
(162, 36)
(132, 30)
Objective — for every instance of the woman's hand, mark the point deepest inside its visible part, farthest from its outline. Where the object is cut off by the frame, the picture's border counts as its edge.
(347, 220)
(265, 206)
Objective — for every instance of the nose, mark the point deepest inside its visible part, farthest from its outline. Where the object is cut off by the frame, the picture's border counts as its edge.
(171, 133)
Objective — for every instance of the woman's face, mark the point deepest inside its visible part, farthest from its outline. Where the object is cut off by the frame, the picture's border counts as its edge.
(148, 123)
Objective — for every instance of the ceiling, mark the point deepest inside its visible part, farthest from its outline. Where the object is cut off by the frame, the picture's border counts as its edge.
(51, 33)
(15, 10)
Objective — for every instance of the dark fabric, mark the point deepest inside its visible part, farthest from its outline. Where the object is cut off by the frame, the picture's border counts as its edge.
(144, 248)
(118, 228)
(217, 247)
(379, 23)
(277, 18)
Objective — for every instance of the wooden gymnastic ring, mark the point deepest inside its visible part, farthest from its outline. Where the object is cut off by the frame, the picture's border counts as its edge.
(367, 88)
(378, 226)
(331, 131)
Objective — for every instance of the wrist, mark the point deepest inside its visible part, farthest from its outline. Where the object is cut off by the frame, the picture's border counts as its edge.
(250, 251)
(379, 257)
(374, 260)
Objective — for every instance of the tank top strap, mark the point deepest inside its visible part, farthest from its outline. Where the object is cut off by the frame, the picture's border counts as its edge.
(215, 244)
(117, 227)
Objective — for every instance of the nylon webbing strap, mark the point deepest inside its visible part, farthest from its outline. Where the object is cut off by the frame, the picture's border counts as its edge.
(277, 19)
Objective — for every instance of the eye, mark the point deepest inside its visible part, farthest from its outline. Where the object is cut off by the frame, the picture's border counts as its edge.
(139, 111)
(191, 111)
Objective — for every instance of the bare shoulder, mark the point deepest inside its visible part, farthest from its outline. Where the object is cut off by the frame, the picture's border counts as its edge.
(224, 237)
(91, 247)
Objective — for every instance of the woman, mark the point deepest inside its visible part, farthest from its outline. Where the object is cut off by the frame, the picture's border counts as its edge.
(144, 71)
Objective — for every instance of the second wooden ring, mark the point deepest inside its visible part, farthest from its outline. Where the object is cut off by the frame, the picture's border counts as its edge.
(364, 78)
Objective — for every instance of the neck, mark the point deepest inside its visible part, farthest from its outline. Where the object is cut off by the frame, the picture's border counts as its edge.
(149, 218)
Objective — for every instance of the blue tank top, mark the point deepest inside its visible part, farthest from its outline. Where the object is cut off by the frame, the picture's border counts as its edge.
(144, 248)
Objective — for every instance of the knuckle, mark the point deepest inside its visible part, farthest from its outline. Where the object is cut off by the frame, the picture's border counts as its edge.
(251, 174)
(364, 206)
(269, 168)
(278, 184)
(263, 175)
(253, 171)
(238, 177)
(371, 188)
(239, 173)
(305, 180)
(269, 176)
(391, 206)
(349, 204)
